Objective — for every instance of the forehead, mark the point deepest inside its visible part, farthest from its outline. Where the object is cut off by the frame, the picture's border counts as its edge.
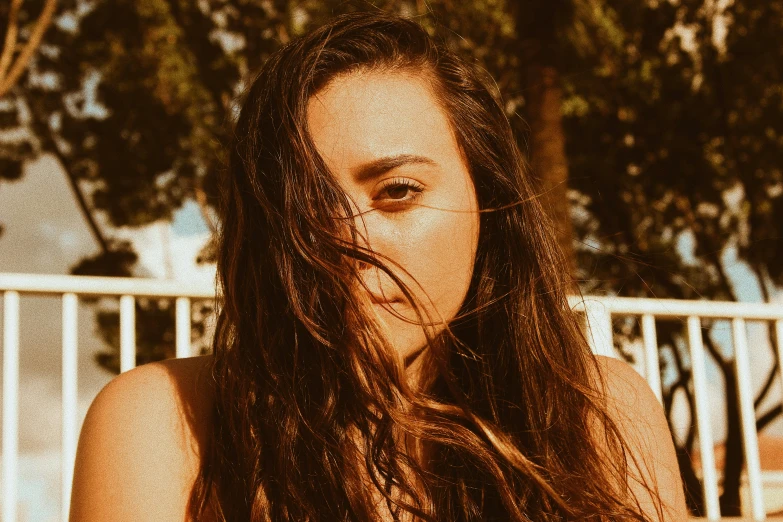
(364, 115)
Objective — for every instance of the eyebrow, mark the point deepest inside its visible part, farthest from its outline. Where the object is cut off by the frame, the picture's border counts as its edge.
(380, 166)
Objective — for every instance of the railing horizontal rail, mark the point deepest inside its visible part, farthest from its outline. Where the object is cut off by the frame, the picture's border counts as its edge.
(105, 286)
(678, 308)
(49, 284)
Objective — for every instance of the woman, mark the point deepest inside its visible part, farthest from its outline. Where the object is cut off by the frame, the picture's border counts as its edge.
(394, 341)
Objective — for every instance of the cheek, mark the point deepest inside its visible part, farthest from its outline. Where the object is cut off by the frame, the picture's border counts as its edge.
(438, 249)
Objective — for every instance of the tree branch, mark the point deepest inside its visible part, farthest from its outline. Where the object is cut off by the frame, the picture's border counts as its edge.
(10, 38)
(97, 233)
(773, 344)
(768, 383)
(27, 53)
(768, 417)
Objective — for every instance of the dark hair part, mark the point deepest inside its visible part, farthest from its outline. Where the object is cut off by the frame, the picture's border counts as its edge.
(505, 428)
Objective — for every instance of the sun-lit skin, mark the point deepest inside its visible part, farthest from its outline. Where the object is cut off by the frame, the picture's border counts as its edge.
(431, 228)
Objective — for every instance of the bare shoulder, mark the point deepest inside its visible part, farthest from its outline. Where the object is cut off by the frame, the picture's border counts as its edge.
(640, 418)
(624, 386)
(141, 443)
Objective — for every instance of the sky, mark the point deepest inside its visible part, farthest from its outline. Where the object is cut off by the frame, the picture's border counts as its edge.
(46, 234)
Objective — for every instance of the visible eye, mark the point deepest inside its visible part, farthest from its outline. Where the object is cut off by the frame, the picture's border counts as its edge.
(397, 189)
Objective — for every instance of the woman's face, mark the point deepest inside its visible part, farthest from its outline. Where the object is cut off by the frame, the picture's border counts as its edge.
(392, 149)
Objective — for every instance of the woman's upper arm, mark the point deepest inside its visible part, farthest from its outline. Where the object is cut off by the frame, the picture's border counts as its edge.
(642, 422)
(131, 462)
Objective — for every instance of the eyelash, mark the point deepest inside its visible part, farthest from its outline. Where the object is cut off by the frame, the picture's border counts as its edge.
(401, 182)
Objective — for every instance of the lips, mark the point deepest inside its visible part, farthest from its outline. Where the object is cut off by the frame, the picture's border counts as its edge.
(377, 299)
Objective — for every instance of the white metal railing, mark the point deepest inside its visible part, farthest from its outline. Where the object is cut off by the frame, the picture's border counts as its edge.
(598, 312)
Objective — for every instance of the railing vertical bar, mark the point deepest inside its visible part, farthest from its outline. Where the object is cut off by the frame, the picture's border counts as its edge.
(127, 333)
(748, 418)
(652, 365)
(599, 328)
(10, 403)
(183, 327)
(710, 475)
(69, 381)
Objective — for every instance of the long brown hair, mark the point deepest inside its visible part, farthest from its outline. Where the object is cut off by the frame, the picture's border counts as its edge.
(505, 422)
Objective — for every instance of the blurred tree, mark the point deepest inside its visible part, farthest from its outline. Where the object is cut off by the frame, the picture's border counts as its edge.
(667, 133)
(688, 126)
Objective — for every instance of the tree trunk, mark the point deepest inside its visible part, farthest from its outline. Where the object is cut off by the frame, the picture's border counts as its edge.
(734, 457)
(548, 157)
(539, 28)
